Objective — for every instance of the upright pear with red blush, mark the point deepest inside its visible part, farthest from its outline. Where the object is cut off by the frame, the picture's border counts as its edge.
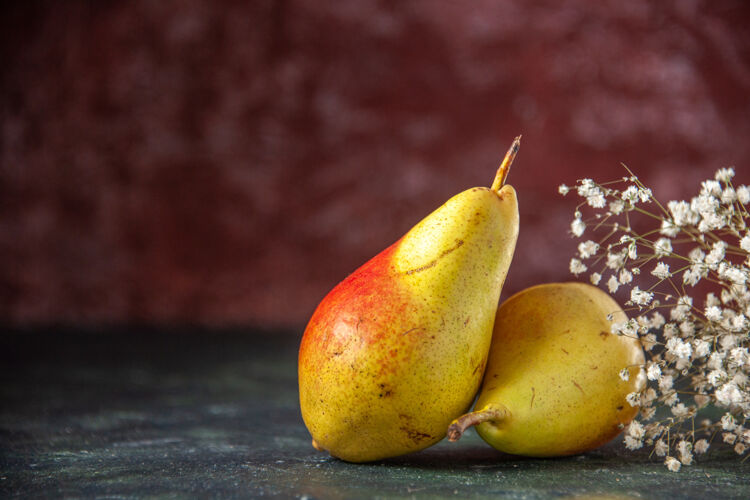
(397, 350)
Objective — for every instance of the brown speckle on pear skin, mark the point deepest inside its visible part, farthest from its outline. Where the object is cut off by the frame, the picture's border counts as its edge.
(578, 386)
(433, 262)
(415, 435)
(411, 330)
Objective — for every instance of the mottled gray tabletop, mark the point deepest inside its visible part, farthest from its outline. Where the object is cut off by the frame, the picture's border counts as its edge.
(144, 413)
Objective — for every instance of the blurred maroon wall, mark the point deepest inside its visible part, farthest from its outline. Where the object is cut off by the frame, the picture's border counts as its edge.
(229, 162)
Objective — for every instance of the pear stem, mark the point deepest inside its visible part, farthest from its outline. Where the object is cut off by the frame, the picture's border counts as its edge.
(502, 172)
(459, 426)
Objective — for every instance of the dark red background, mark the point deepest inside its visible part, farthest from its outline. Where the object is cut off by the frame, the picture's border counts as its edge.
(227, 163)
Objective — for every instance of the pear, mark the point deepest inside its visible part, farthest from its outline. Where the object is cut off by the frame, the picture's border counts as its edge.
(397, 350)
(552, 385)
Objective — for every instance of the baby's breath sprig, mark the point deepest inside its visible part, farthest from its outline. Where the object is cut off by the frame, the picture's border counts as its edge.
(685, 271)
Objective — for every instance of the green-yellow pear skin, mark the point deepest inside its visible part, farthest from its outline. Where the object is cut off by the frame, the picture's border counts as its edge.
(552, 385)
(397, 350)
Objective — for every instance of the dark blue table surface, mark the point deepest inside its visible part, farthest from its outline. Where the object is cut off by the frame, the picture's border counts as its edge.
(135, 412)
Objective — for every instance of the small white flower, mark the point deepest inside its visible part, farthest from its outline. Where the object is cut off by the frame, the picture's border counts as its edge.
(616, 207)
(739, 323)
(670, 330)
(701, 446)
(701, 348)
(596, 200)
(680, 410)
(629, 328)
(661, 448)
(625, 374)
(728, 341)
(738, 356)
(616, 260)
(630, 194)
(632, 251)
(632, 443)
(691, 276)
(625, 277)
(745, 242)
(633, 399)
(724, 174)
(649, 342)
(732, 273)
(710, 223)
(713, 313)
(728, 196)
(643, 322)
(613, 284)
(727, 422)
(577, 227)
(587, 249)
(648, 413)
(715, 361)
(672, 399)
(595, 278)
(680, 311)
(696, 255)
(728, 394)
(710, 188)
(669, 228)
(657, 320)
(577, 267)
(636, 430)
(661, 271)
(641, 297)
(662, 247)
(665, 383)
(681, 213)
(586, 188)
(729, 437)
(679, 348)
(701, 400)
(740, 448)
(563, 189)
(716, 376)
(653, 372)
(743, 195)
(686, 452)
(648, 396)
(716, 255)
(672, 464)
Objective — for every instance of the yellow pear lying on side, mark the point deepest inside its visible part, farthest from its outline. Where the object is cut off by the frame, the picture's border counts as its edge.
(552, 385)
(397, 350)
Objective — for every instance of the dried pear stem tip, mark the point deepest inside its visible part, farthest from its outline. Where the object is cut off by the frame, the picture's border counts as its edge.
(502, 172)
